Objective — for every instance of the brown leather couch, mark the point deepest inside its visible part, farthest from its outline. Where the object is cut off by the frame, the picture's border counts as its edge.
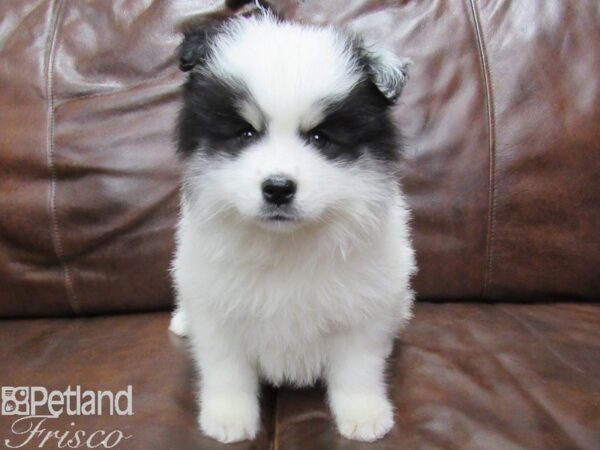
(501, 119)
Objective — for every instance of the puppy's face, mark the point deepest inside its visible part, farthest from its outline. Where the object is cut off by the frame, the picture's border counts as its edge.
(285, 125)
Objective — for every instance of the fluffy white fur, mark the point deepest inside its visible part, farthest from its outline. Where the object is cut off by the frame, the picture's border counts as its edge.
(322, 297)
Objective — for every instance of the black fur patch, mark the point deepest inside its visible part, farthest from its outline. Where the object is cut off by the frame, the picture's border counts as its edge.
(359, 122)
(196, 45)
(209, 118)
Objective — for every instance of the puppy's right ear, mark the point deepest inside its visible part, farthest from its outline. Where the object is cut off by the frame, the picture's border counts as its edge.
(195, 47)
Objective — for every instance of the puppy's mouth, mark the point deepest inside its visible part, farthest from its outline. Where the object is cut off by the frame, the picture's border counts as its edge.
(283, 213)
(279, 219)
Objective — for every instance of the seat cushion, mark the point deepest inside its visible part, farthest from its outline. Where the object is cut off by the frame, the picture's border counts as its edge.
(462, 376)
(476, 376)
(110, 353)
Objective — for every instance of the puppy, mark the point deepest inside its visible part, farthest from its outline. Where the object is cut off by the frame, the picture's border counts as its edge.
(293, 258)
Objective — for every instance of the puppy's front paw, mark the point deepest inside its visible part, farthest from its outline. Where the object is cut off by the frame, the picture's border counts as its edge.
(178, 323)
(230, 418)
(363, 417)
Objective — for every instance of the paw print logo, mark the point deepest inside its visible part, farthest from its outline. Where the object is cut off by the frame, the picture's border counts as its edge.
(15, 401)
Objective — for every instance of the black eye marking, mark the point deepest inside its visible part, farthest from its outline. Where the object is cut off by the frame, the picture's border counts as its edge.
(356, 124)
(211, 120)
(331, 143)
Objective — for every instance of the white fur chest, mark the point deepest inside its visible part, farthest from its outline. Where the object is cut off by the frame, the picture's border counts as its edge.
(281, 301)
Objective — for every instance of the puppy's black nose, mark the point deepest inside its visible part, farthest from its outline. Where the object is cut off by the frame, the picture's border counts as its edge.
(278, 190)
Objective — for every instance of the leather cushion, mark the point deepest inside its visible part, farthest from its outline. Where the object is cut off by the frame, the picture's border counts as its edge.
(472, 376)
(110, 353)
(463, 376)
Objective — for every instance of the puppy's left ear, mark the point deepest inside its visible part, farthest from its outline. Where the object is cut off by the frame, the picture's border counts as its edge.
(195, 47)
(388, 72)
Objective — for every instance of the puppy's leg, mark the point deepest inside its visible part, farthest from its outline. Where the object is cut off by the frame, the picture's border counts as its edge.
(356, 386)
(178, 323)
(229, 407)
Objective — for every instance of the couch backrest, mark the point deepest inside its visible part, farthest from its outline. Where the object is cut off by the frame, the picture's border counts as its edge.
(501, 119)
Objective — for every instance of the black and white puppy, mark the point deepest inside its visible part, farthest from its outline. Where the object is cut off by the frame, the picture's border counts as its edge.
(293, 254)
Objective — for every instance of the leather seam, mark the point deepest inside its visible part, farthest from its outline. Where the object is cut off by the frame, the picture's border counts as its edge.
(491, 119)
(57, 7)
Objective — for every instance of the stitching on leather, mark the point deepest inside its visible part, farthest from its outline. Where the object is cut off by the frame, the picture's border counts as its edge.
(57, 7)
(489, 98)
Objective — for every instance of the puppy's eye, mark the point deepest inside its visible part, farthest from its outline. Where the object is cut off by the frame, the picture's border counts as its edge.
(317, 138)
(248, 134)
